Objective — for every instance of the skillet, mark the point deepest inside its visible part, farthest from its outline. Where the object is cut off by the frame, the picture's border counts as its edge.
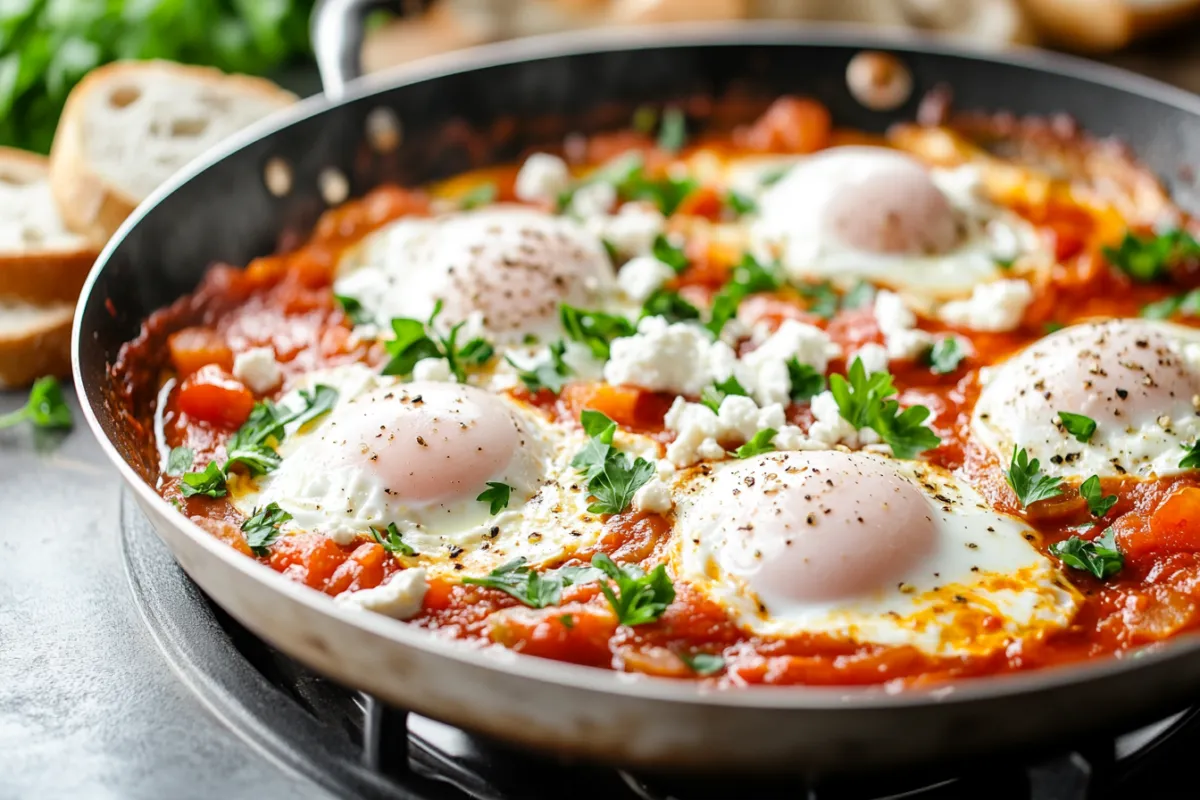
(448, 114)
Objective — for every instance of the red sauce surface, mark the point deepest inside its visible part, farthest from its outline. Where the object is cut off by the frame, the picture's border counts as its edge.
(286, 302)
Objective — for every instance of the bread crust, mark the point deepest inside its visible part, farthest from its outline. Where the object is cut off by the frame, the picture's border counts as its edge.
(41, 350)
(89, 204)
(1098, 26)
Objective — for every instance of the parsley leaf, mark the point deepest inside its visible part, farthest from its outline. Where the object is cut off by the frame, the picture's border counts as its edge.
(392, 542)
(822, 299)
(414, 340)
(550, 375)
(497, 494)
(354, 310)
(905, 431)
(639, 598)
(480, 195)
(262, 529)
(702, 663)
(627, 175)
(739, 203)
(644, 119)
(596, 329)
(862, 401)
(759, 443)
(670, 306)
(46, 408)
(519, 581)
(209, 482)
(1187, 304)
(669, 254)
(672, 133)
(1151, 258)
(945, 355)
(1099, 556)
(748, 277)
(1026, 479)
(1078, 425)
(180, 460)
(807, 383)
(612, 478)
(863, 294)
(1192, 459)
(712, 396)
(1098, 503)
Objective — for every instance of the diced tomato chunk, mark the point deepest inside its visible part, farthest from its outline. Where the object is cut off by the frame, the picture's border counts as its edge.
(704, 202)
(213, 395)
(193, 348)
(309, 558)
(625, 405)
(571, 632)
(364, 569)
(790, 125)
(1173, 527)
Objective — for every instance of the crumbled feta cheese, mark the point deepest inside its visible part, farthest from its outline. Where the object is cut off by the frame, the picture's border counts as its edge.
(593, 199)
(763, 371)
(733, 331)
(902, 337)
(653, 497)
(400, 598)
(542, 177)
(828, 426)
(874, 357)
(258, 369)
(702, 435)
(669, 357)
(641, 276)
(579, 359)
(432, 369)
(632, 230)
(790, 437)
(997, 306)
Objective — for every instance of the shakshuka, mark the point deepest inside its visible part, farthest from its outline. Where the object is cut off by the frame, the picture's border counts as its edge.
(788, 404)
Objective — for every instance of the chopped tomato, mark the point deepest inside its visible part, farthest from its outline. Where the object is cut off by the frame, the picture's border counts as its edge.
(625, 405)
(704, 202)
(1170, 528)
(228, 532)
(790, 125)
(193, 348)
(311, 558)
(213, 395)
(571, 632)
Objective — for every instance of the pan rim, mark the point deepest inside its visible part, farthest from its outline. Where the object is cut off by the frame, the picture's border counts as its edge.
(593, 679)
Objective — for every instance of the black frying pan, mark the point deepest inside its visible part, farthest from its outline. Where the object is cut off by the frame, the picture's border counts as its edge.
(483, 106)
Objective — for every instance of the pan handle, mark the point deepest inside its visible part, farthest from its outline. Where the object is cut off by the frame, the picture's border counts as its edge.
(337, 35)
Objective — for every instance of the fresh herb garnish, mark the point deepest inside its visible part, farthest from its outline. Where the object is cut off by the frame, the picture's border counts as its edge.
(807, 383)
(862, 294)
(414, 341)
(46, 408)
(497, 495)
(354, 310)
(739, 203)
(180, 460)
(748, 277)
(567, 621)
(644, 119)
(639, 598)
(670, 306)
(391, 542)
(1078, 425)
(262, 529)
(1098, 503)
(519, 581)
(759, 443)
(669, 254)
(1187, 304)
(1005, 264)
(822, 300)
(702, 663)
(551, 375)
(596, 329)
(945, 355)
(1099, 556)
(1052, 327)
(612, 478)
(712, 396)
(672, 133)
(210, 482)
(1192, 459)
(480, 195)
(864, 402)
(1151, 258)
(628, 176)
(1026, 479)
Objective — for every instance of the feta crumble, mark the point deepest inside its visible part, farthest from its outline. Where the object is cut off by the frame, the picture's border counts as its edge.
(902, 338)
(258, 369)
(400, 598)
(998, 306)
(593, 200)
(680, 357)
(654, 497)
(763, 371)
(432, 369)
(543, 177)
(641, 276)
(874, 357)
(632, 230)
(702, 434)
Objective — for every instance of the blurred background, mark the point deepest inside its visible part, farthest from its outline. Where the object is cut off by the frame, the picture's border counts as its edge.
(46, 46)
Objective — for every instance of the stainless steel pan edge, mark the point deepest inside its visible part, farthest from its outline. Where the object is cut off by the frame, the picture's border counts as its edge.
(612, 716)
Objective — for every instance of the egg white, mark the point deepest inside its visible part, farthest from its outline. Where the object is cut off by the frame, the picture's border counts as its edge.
(982, 569)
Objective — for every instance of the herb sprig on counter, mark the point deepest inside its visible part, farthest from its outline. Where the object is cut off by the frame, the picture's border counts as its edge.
(46, 408)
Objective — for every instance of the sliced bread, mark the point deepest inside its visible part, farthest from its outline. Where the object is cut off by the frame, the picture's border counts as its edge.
(130, 125)
(34, 341)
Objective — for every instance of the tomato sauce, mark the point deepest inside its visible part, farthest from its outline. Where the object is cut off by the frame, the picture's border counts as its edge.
(286, 301)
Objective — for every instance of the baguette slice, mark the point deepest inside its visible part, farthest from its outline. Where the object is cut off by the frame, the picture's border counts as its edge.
(130, 125)
(1099, 26)
(34, 341)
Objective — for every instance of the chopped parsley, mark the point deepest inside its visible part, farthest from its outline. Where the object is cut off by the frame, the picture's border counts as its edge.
(1151, 258)
(46, 408)
(1100, 556)
(1026, 479)
(519, 581)
(1098, 503)
(209, 482)
(749, 277)
(945, 355)
(497, 495)
(639, 598)
(551, 375)
(612, 478)
(739, 203)
(669, 254)
(864, 402)
(644, 119)
(807, 383)
(262, 529)
(1192, 459)
(354, 310)
(822, 299)
(627, 175)
(759, 443)
(414, 341)
(713, 396)
(480, 195)
(1078, 425)
(1187, 304)
(670, 306)
(863, 294)
(180, 460)
(596, 329)
(672, 133)
(391, 541)
(702, 663)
